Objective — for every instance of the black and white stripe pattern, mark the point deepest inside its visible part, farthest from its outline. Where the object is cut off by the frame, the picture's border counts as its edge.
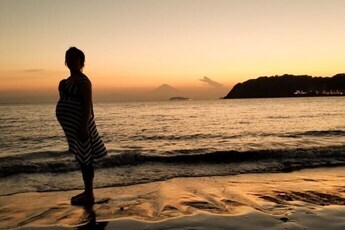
(69, 114)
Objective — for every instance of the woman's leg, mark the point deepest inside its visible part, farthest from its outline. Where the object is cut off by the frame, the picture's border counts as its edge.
(88, 175)
(86, 197)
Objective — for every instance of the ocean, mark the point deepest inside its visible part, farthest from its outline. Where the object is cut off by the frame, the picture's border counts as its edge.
(152, 141)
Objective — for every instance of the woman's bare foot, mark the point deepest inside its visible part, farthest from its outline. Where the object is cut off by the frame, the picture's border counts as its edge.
(77, 196)
(83, 199)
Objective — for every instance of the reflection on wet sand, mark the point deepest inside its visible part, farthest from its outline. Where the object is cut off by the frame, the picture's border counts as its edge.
(280, 197)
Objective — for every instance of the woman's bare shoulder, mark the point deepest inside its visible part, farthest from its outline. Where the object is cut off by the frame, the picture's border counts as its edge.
(84, 79)
(84, 83)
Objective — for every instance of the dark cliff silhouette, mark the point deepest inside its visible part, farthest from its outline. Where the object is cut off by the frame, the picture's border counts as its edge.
(289, 86)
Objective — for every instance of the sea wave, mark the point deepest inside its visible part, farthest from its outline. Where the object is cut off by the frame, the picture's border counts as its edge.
(325, 133)
(309, 133)
(316, 133)
(288, 159)
(181, 137)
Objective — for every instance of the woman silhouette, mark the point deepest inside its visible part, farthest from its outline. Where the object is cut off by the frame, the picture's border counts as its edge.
(74, 111)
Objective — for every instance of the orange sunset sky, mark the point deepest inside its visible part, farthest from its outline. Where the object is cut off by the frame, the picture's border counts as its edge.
(141, 44)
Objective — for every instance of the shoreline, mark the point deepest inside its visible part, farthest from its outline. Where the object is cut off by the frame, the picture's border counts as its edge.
(308, 198)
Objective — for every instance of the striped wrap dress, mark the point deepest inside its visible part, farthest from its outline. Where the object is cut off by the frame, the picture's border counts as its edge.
(69, 114)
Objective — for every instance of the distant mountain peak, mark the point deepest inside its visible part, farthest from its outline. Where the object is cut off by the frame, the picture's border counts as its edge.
(163, 92)
(165, 88)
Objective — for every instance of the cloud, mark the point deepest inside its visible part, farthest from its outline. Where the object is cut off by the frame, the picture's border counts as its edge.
(33, 70)
(211, 82)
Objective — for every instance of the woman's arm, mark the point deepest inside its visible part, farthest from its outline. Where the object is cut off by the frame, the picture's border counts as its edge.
(86, 100)
(62, 86)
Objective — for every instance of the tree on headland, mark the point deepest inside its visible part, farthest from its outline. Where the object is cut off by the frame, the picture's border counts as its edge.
(289, 86)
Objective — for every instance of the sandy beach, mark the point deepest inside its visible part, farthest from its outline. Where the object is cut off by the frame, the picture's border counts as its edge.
(306, 199)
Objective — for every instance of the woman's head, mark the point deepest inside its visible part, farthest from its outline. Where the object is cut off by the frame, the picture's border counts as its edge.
(74, 59)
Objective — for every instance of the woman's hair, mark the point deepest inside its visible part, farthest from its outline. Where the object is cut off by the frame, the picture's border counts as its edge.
(78, 53)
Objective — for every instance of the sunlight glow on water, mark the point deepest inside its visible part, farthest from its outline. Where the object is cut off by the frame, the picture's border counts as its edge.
(173, 127)
(150, 141)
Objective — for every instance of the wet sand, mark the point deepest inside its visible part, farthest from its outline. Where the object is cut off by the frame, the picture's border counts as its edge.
(306, 199)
